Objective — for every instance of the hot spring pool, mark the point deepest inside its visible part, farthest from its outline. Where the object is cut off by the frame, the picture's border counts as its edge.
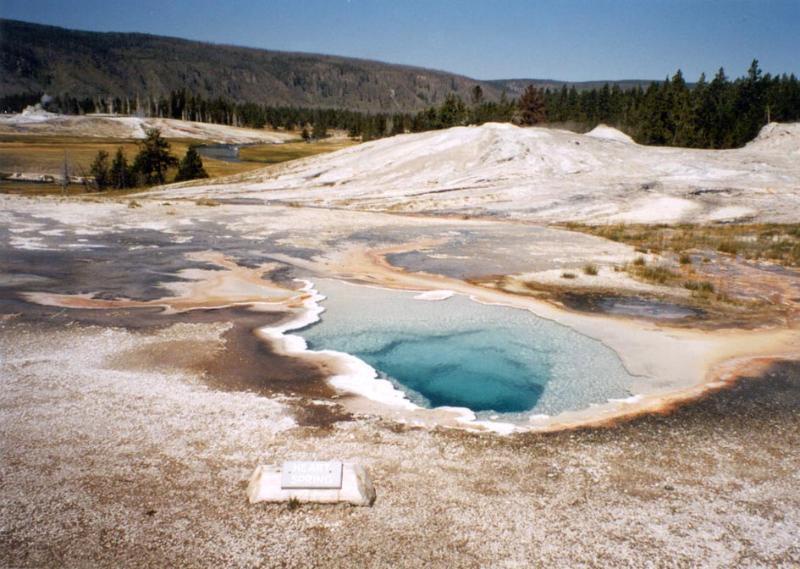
(459, 353)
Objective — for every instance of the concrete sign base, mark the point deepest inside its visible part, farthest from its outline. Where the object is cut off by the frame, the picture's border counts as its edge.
(271, 484)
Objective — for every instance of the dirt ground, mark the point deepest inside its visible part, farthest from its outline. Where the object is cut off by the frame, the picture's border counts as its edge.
(105, 467)
(127, 438)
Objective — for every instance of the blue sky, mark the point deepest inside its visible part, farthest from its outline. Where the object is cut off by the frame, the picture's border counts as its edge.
(568, 39)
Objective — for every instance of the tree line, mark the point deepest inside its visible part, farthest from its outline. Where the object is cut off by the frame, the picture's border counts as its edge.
(149, 166)
(721, 113)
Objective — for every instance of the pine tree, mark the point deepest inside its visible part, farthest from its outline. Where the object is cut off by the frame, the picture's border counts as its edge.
(99, 169)
(154, 158)
(191, 166)
(320, 130)
(702, 112)
(506, 109)
(378, 126)
(121, 175)
(452, 112)
(749, 105)
(398, 125)
(477, 95)
(720, 110)
(683, 127)
(531, 106)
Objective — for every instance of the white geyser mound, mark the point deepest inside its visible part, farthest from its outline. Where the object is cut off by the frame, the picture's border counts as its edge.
(605, 132)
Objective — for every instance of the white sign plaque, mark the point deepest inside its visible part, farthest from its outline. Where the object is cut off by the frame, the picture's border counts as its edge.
(311, 474)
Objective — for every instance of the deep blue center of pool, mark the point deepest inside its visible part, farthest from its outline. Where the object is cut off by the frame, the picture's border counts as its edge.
(467, 369)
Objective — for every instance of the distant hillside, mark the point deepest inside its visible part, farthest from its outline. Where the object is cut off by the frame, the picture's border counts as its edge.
(37, 58)
(515, 87)
(55, 60)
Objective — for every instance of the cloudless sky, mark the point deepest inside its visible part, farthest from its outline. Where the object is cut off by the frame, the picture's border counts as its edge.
(568, 39)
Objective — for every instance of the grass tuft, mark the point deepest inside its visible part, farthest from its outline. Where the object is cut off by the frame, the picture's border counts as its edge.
(779, 243)
(728, 246)
(659, 274)
(703, 287)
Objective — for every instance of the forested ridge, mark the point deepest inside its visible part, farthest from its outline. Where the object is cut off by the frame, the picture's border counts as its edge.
(39, 58)
(58, 61)
(721, 113)
(329, 92)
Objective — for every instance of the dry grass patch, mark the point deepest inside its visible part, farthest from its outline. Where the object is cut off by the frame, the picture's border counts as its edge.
(779, 243)
(206, 202)
(45, 154)
(658, 274)
(277, 153)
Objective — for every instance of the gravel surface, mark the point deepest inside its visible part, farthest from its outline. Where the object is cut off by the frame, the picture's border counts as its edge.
(106, 467)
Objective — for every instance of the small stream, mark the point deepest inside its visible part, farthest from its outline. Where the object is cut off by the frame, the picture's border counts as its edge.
(223, 152)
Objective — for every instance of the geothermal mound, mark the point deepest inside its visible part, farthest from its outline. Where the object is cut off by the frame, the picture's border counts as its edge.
(778, 137)
(35, 120)
(609, 133)
(539, 174)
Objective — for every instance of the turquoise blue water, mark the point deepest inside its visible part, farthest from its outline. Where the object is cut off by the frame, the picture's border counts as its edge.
(456, 352)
